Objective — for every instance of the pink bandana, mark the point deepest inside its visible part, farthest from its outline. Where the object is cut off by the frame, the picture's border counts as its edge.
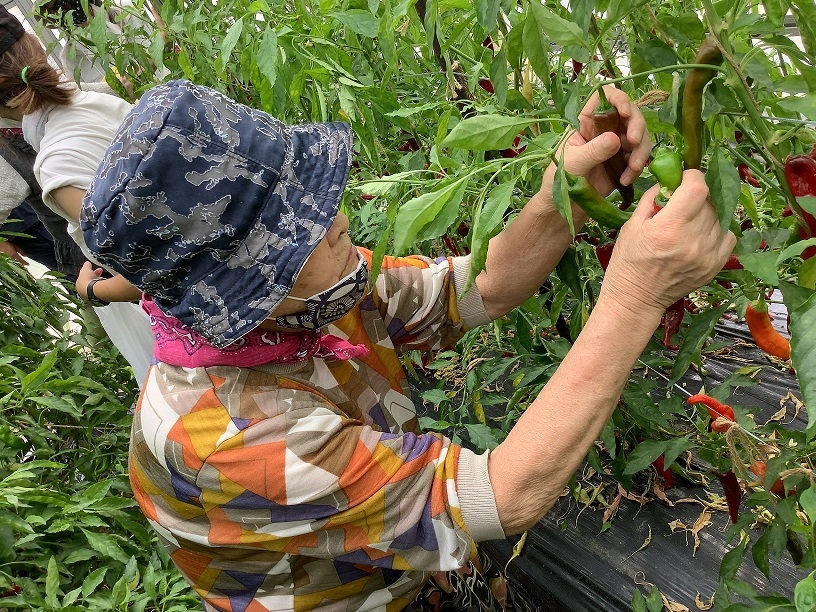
(178, 345)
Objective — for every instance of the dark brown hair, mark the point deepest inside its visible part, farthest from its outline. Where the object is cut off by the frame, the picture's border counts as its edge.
(45, 84)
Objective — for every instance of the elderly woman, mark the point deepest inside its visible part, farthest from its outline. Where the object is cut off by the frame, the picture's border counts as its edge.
(276, 449)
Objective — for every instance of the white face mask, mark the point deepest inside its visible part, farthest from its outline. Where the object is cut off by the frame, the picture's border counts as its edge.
(330, 304)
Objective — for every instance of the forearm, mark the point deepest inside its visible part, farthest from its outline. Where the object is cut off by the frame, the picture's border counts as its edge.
(114, 289)
(548, 443)
(523, 255)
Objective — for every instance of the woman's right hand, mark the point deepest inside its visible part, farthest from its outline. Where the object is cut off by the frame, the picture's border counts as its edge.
(663, 254)
(86, 274)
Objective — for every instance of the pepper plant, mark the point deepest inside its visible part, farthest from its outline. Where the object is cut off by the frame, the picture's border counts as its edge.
(458, 105)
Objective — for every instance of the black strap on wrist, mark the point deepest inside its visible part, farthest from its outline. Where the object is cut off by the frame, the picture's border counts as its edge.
(92, 299)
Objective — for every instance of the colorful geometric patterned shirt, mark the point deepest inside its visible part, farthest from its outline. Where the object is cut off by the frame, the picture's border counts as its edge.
(303, 486)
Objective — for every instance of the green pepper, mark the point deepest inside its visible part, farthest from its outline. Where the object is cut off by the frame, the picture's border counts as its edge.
(593, 203)
(698, 78)
(667, 166)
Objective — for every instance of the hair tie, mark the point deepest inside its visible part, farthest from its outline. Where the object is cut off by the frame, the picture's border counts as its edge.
(23, 75)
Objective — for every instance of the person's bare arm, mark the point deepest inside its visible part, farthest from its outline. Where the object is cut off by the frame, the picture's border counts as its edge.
(115, 289)
(657, 259)
(523, 255)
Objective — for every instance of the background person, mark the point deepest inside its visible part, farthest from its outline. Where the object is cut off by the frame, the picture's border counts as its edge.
(276, 449)
(71, 130)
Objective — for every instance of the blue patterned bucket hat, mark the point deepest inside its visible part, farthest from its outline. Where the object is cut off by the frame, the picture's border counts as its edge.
(211, 207)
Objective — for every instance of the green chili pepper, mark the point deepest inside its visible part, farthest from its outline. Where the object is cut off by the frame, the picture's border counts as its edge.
(667, 166)
(698, 78)
(593, 203)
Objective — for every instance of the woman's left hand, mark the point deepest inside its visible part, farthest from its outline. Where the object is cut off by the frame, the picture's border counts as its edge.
(585, 155)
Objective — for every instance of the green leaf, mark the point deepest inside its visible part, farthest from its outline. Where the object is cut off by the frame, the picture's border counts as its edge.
(93, 580)
(418, 212)
(228, 44)
(486, 11)
(698, 332)
(106, 544)
(561, 197)
(553, 28)
(804, 13)
(724, 186)
(654, 601)
(267, 59)
(732, 560)
(34, 379)
(481, 436)
(762, 265)
(52, 581)
(804, 105)
(359, 21)
(644, 455)
(638, 601)
(803, 354)
(794, 250)
(485, 223)
(804, 595)
(498, 76)
(435, 396)
(759, 553)
(486, 132)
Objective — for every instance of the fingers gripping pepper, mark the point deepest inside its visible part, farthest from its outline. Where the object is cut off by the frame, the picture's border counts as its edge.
(763, 331)
(716, 411)
(593, 203)
(692, 121)
(607, 119)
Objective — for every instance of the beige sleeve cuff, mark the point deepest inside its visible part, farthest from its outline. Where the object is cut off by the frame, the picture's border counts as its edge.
(471, 308)
(476, 499)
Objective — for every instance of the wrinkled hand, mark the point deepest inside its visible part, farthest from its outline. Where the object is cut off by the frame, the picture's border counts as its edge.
(584, 155)
(13, 252)
(85, 276)
(660, 256)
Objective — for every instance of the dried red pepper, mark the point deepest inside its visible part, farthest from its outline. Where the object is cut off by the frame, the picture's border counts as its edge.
(606, 118)
(763, 331)
(672, 319)
(733, 493)
(716, 410)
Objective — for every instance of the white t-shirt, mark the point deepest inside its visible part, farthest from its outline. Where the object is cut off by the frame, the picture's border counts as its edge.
(70, 142)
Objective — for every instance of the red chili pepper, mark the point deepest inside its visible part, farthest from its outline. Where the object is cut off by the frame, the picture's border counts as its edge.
(577, 67)
(800, 173)
(672, 319)
(463, 229)
(715, 411)
(14, 590)
(733, 493)
(487, 85)
(604, 254)
(733, 263)
(777, 488)
(763, 331)
(746, 176)
(409, 145)
(449, 243)
(666, 475)
(515, 149)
